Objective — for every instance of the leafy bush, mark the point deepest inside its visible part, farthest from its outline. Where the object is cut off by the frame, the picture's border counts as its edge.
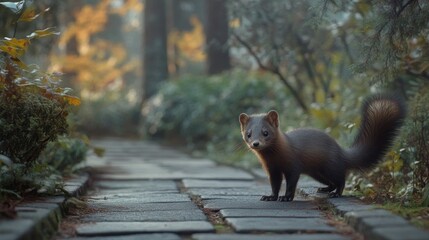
(64, 153)
(33, 112)
(110, 113)
(18, 179)
(202, 112)
(28, 122)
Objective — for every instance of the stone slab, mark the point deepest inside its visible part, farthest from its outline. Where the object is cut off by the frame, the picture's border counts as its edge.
(353, 218)
(325, 236)
(144, 185)
(42, 205)
(153, 236)
(397, 233)
(218, 204)
(147, 216)
(16, 226)
(142, 172)
(141, 197)
(369, 223)
(32, 213)
(245, 225)
(137, 206)
(254, 191)
(342, 210)
(198, 183)
(232, 197)
(279, 213)
(184, 162)
(120, 228)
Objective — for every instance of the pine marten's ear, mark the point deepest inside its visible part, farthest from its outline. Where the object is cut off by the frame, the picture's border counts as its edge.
(273, 118)
(244, 119)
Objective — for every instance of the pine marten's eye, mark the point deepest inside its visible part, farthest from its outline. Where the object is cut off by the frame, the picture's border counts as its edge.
(265, 133)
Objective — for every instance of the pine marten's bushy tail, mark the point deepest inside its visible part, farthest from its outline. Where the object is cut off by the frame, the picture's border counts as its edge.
(382, 116)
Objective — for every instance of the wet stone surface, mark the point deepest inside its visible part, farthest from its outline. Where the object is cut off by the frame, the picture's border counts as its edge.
(146, 191)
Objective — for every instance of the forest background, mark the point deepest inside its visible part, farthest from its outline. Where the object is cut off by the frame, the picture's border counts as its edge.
(181, 71)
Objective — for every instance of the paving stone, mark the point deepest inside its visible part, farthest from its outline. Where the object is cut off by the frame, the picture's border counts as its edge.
(209, 236)
(153, 236)
(259, 173)
(143, 185)
(32, 213)
(141, 197)
(254, 191)
(353, 218)
(239, 204)
(198, 183)
(9, 236)
(164, 174)
(120, 228)
(185, 162)
(344, 200)
(43, 205)
(148, 216)
(270, 213)
(342, 210)
(368, 223)
(243, 225)
(232, 197)
(130, 191)
(16, 226)
(397, 233)
(137, 206)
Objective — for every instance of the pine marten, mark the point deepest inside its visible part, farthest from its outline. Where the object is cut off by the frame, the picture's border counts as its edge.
(313, 152)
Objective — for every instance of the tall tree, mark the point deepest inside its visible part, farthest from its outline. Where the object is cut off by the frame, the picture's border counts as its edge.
(217, 36)
(154, 47)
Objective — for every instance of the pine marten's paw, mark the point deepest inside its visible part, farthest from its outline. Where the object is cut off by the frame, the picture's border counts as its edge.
(285, 199)
(269, 198)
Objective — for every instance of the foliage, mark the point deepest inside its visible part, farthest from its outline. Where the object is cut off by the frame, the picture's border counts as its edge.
(19, 179)
(111, 112)
(95, 62)
(278, 36)
(387, 38)
(33, 105)
(202, 112)
(64, 154)
(33, 111)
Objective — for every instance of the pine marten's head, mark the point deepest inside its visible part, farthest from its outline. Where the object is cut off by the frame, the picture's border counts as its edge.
(259, 130)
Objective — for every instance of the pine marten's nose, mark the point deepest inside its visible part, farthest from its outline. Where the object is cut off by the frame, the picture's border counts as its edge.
(255, 144)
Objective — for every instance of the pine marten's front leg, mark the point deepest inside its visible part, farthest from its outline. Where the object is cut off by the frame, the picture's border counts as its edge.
(291, 182)
(276, 179)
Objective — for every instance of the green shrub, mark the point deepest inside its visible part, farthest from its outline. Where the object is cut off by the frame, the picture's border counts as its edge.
(202, 112)
(20, 179)
(108, 114)
(64, 153)
(29, 119)
(33, 112)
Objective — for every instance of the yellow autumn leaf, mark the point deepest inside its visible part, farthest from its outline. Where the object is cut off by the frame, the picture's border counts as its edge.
(43, 33)
(30, 14)
(75, 101)
(12, 51)
(18, 43)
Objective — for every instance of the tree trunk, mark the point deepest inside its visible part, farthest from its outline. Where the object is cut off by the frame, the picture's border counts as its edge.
(216, 37)
(154, 47)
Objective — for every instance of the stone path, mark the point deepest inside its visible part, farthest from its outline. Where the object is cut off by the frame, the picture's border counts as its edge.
(145, 191)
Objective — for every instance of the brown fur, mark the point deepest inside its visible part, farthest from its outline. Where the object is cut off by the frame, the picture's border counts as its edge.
(313, 152)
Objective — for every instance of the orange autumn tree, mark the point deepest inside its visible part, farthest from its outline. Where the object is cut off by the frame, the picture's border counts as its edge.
(94, 62)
